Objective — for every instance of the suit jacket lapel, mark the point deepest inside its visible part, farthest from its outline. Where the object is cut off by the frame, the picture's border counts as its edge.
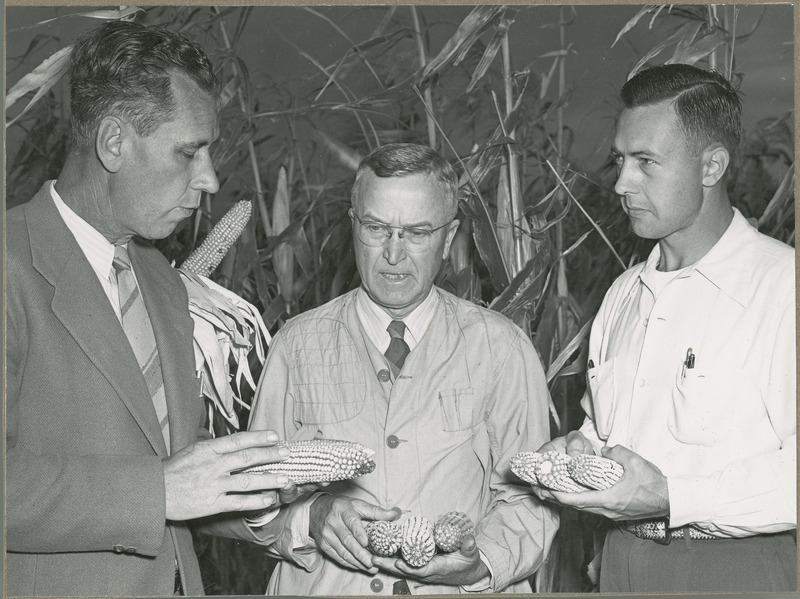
(82, 306)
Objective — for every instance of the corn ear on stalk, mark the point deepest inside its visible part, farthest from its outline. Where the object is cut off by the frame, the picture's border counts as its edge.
(384, 537)
(321, 460)
(594, 471)
(418, 545)
(524, 466)
(222, 236)
(450, 530)
(553, 473)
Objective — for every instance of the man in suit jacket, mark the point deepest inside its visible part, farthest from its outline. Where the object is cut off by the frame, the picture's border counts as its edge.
(98, 493)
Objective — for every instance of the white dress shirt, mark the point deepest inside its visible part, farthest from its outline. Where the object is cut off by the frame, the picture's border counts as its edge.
(722, 430)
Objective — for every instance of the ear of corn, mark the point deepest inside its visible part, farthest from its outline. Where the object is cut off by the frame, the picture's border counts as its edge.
(553, 473)
(594, 471)
(384, 537)
(524, 466)
(222, 236)
(450, 530)
(321, 460)
(418, 545)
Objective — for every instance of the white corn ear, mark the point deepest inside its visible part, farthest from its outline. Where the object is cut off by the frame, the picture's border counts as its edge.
(450, 530)
(553, 473)
(594, 471)
(524, 466)
(222, 236)
(418, 545)
(321, 460)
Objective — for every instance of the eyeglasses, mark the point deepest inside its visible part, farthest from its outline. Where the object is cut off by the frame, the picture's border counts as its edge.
(375, 234)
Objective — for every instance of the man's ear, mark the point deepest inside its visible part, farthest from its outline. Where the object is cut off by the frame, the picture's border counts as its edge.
(715, 163)
(108, 143)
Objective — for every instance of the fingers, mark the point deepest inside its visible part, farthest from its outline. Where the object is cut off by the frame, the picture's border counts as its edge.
(242, 440)
(577, 444)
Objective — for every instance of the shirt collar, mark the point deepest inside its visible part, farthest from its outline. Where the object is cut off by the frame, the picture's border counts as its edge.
(374, 319)
(718, 266)
(98, 250)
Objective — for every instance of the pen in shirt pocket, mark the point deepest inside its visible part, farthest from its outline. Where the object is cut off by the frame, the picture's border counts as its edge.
(688, 363)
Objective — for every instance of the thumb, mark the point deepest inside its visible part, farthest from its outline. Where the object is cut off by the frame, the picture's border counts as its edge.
(368, 511)
(468, 546)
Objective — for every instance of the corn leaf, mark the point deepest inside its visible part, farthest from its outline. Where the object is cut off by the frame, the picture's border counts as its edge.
(468, 32)
(560, 361)
(783, 196)
(283, 254)
(681, 33)
(694, 52)
(520, 298)
(632, 23)
(42, 78)
(489, 54)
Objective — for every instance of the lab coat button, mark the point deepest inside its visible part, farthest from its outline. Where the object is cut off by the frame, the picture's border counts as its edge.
(383, 376)
(376, 585)
(119, 549)
(392, 441)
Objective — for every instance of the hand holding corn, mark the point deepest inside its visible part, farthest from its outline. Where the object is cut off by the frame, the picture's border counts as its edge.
(462, 567)
(640, 493)
(204, 479)
(335, 523)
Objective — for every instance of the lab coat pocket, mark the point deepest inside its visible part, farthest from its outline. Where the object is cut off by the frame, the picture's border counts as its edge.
(456, 409)
(329, 388)
(602, 396)
(703, 404)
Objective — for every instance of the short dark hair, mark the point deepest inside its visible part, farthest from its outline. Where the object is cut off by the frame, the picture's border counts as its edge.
(708, 105)
(126, 68)
(399, 159)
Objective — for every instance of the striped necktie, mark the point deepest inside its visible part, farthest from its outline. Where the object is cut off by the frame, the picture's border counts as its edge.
(136, 324)
(398, 349)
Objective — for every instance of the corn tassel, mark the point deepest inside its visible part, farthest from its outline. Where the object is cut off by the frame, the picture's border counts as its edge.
(594, 471)
(321, 460)
(222, 236)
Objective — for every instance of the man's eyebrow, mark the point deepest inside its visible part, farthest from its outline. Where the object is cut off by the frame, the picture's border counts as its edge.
(371, 218)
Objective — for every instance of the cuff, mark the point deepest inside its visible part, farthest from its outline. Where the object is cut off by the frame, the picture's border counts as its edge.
(261, 518)
(484, 583)
(298, 525)
(691, 499)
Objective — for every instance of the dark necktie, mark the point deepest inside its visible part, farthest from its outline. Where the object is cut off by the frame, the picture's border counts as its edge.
(398, 348)
(139, 330)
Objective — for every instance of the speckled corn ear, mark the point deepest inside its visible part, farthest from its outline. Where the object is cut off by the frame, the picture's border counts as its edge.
(222, 236)
(450, 530)
(384, 537)
(321, 460)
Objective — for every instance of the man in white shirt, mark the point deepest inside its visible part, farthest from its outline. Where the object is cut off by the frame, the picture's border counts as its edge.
(444, 391)
(106, 457)
(691, 374)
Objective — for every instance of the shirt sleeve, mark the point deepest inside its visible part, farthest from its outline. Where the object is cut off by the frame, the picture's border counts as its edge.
(758, 494)
(518, 529)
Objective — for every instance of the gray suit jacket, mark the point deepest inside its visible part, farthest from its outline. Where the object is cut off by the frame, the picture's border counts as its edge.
(84, 480)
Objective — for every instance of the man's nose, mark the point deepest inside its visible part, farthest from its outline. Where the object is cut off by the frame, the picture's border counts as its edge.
(393, 249)
(206, 179)
(624, 184)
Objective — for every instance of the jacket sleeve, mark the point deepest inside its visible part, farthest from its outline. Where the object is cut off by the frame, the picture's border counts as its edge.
(517, 532)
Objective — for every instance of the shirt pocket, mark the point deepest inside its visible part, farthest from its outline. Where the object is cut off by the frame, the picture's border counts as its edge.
(704, 402)
(457, 409)
(329, 387)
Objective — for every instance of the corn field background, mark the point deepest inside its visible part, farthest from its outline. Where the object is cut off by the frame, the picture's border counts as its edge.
(520, 98)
